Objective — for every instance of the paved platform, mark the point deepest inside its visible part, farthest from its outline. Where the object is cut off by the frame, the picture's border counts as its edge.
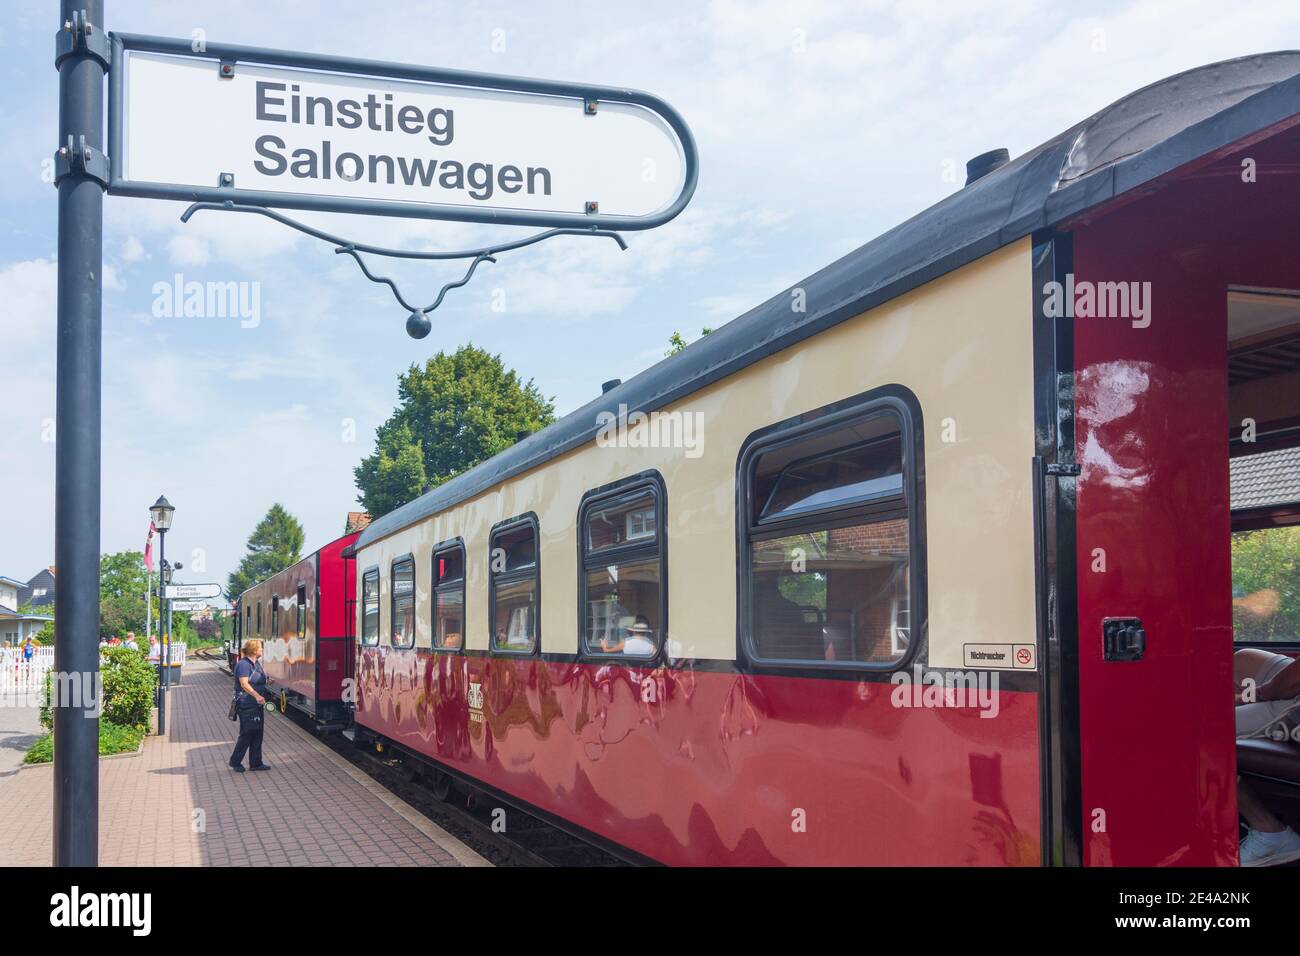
(20, 727)
(177, 803)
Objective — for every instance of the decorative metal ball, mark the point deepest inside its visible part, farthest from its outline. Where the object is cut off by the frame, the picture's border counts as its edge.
(418, 325)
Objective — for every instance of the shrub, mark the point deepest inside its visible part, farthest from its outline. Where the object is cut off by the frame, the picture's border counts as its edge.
(47, 711)
(129, 681)
(42, 751)
(113, 739)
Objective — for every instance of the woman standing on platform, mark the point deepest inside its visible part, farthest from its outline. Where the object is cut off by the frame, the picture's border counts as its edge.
(250, 688)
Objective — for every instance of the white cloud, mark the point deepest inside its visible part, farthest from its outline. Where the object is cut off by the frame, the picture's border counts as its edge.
(188, 250)
(28, 293)
(133, 250)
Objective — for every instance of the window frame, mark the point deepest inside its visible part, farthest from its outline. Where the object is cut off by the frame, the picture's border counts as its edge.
(407, 558)
(301, 619)
(435, 588)
(379, 595)
(528, 519)
(895, 399)
(633, 486)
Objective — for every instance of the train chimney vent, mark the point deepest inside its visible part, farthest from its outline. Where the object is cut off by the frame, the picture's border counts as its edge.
(609, 386)
(985, 163)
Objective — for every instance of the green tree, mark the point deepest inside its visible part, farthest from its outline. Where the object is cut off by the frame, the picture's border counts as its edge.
(1266, 584)
(395, 473)
(122, 587)
(275, 544)
(677, 343)
(45, 636)
(452, 413)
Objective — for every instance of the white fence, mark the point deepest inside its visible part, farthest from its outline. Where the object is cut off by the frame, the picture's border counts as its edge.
(21, 681)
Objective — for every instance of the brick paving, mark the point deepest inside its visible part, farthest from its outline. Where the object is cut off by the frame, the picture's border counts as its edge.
(20, 727)
(178, 804)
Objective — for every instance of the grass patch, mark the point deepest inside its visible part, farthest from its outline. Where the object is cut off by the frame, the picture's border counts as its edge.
(113, 739)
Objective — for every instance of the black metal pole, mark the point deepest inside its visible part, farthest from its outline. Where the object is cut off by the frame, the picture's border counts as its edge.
(163, 624)
(77, 442)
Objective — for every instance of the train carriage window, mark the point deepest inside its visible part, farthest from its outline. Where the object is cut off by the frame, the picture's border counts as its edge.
(621, 584)
(259, 618)
(275, 618)
(402, 609)
(370, 607)
(302, 610)
(513, 582)
(829, 537)
(248, 622)
(449, 598)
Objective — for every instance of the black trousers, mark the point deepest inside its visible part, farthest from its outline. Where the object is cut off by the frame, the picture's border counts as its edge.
(251, 727)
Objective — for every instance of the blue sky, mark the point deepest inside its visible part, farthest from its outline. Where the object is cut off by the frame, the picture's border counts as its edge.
(819, 124)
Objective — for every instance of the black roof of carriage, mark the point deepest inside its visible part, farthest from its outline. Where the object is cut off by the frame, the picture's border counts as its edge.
(1131, 142)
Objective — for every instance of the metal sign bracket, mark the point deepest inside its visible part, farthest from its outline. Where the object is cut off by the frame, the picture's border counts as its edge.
(418, 323)
(80, 159)
(80, 35)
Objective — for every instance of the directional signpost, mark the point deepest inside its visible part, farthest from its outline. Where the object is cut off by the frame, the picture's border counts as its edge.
(192, 591)
(246, 129)
(189, 605)
(268, 126)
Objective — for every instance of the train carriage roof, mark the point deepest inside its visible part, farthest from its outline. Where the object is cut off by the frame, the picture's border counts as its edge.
(1196, 115)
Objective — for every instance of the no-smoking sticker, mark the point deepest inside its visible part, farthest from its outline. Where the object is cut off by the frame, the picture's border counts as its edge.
(1001, 656)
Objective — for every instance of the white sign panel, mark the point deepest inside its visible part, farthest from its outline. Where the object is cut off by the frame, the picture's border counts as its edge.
(189, 605)
(192, 591)
(305, 133)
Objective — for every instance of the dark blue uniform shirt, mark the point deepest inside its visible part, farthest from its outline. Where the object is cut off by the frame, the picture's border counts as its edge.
(256, 679)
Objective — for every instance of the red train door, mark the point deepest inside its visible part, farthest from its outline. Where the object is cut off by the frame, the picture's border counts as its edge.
(1156, 736)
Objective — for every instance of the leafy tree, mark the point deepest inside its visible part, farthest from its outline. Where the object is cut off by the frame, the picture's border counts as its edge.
(1266, 584)
(677, 343)
(45, 636)
(452, 413)
(122, 587)
(275, 544)
(395, 473)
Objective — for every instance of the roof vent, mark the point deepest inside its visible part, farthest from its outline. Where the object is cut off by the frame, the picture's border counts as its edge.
(985, 163)
(609, 386)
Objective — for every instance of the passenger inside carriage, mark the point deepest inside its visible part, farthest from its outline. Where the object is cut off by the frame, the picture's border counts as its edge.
(1268, 709)
(830, 544)
(1264, 332)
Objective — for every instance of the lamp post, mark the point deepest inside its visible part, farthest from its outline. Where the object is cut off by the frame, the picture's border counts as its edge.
(161, 512)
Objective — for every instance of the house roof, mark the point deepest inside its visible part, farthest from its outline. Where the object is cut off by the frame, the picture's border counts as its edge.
(9, 614)
(357, 520)
(1130, 143)
(1266, 479)
(5, 579)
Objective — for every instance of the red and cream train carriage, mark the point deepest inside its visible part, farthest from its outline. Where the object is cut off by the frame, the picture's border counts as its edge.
(303, 615)
(989, 448)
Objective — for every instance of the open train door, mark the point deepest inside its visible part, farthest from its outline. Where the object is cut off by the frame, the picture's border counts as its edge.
(1152, 282)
